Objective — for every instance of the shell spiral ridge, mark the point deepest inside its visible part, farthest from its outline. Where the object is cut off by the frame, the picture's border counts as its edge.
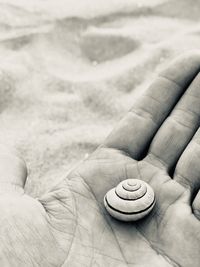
(131, 200)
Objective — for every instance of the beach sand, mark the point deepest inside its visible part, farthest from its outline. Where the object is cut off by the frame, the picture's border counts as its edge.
(71, 69)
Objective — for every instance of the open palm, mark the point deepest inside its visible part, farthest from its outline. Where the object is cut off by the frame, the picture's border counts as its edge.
(158, 142)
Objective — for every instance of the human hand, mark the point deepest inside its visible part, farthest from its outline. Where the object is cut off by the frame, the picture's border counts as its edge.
(157, 142)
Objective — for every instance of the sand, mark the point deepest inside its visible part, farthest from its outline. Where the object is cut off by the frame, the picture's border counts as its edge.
(71, 69)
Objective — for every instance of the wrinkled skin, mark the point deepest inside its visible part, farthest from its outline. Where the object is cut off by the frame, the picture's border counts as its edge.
(69, 226)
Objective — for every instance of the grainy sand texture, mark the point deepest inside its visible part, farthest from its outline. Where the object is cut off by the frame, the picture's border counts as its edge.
(71, 69)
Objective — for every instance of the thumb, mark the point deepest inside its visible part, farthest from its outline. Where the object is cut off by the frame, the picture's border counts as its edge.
(13, 171)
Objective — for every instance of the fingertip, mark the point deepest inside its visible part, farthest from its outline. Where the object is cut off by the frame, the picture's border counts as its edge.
(13, 169)
(196, 205)
(183, 68)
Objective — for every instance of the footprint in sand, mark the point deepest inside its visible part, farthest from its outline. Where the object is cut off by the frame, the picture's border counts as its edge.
(100, 45)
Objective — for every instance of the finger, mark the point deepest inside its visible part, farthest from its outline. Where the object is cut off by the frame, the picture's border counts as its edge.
(187, 171)
(13, 171)
(178, 129)
(136, 129)
(196, 205)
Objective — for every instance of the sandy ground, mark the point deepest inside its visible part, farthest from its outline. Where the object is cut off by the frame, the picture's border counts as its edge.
(71, 69)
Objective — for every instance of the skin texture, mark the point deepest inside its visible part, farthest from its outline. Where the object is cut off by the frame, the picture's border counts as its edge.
(157, 141)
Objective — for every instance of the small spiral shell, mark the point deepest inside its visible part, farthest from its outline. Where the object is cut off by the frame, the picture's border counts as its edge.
(131, 200)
